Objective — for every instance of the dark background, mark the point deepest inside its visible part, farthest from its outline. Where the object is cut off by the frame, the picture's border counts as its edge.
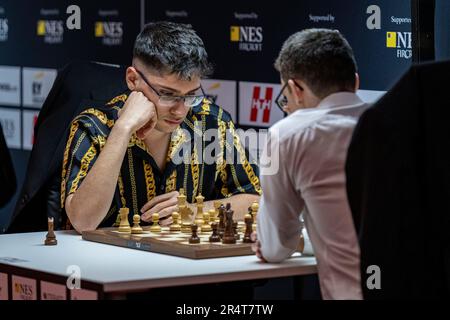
(379, 66)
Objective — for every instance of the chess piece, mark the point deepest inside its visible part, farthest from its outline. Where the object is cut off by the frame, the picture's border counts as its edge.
(50, 238)
(194, 238)
(212, 216)
(199, 216)
(228, 236)
(136, 229)
(215, 235)
(248, 228)
(155, 227)
(184, 211)
(175, 226)
(216, 211)
(235, 230)
(221, 228)
(124, 226)
(255, 208)
(117, 223)
(206, 227)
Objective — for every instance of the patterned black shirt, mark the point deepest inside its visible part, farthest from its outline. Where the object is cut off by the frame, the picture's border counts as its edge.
(140, 178)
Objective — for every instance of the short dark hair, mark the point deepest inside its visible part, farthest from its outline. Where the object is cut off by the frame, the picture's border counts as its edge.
(322, 58)
(172, 48)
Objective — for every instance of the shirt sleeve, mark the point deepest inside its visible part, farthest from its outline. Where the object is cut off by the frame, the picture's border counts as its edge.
(237, 174)
(279, 226)
(81, 152)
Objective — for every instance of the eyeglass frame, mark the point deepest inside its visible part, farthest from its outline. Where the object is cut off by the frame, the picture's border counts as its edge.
(281, 94)
(183, 98)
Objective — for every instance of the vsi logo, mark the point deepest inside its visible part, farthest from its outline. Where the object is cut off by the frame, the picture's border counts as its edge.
(51, 30)
(261, 103)
(111, 32)
(250, 38)
(3, 29)
(401, 41)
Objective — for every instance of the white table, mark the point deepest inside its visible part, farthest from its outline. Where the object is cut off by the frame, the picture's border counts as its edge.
(110, 269)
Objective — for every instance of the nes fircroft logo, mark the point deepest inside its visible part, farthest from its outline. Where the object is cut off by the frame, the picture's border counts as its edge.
(111, 32)
(51, 30)
(402, 41)
(250, 38)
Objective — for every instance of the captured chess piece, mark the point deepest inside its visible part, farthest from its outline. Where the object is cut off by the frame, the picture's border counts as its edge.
(136, 229)
(175, 226)
(194, 238)
(124, 223)
(206, 227)
(228, 236)
(155, 227)
(215, 235)
(50, 239)
(255, 208)
(248, 228)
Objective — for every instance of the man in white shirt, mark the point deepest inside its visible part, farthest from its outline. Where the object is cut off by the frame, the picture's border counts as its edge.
(318, 74)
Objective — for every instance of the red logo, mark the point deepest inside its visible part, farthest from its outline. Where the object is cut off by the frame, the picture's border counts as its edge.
(261, 103)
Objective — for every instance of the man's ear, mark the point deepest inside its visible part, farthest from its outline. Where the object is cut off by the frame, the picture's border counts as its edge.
(131, 78)
(356, 81)
(297, 93)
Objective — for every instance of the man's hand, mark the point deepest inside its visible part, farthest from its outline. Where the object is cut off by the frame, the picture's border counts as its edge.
(138, 114)
(256, 247)
(163, 204)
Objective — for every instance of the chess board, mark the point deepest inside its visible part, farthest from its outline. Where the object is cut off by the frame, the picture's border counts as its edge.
(172, 243)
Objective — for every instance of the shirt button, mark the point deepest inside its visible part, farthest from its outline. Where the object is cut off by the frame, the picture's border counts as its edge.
(162, 187)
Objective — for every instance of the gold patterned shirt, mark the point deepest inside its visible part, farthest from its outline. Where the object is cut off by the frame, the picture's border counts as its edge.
(187, 167)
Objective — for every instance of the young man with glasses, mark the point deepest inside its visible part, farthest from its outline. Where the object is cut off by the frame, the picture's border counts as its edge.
(318, 74)
(123, 154)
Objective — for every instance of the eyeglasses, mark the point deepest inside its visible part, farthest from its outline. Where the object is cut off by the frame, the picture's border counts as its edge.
(170, 101)
(281, 100)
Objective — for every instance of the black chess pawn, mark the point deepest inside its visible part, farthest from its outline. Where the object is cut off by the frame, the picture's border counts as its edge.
(248, 228)
(215, 235)
(235, 230)
(194, 238)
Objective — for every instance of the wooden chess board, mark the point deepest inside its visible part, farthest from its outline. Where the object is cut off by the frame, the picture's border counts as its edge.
(167, 242)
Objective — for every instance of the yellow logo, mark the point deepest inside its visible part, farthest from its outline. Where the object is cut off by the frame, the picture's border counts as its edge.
(99, 31)
(234, 33)
(41, 27)
(391, 39)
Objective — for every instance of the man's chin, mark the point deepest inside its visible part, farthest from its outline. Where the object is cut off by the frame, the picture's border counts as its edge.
(165, 128)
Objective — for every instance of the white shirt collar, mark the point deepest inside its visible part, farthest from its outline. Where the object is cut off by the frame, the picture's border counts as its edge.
(335, 100)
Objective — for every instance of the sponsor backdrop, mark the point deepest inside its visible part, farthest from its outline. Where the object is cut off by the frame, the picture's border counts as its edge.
(242, 39)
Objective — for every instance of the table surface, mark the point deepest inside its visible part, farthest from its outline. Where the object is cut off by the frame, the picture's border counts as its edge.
(122, 269)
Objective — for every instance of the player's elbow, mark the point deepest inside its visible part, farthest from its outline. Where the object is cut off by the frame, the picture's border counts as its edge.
(275, 255)
(77, 219)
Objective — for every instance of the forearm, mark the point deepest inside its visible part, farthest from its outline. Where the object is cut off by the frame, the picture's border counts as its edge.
(88, 206)
(239, 204)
